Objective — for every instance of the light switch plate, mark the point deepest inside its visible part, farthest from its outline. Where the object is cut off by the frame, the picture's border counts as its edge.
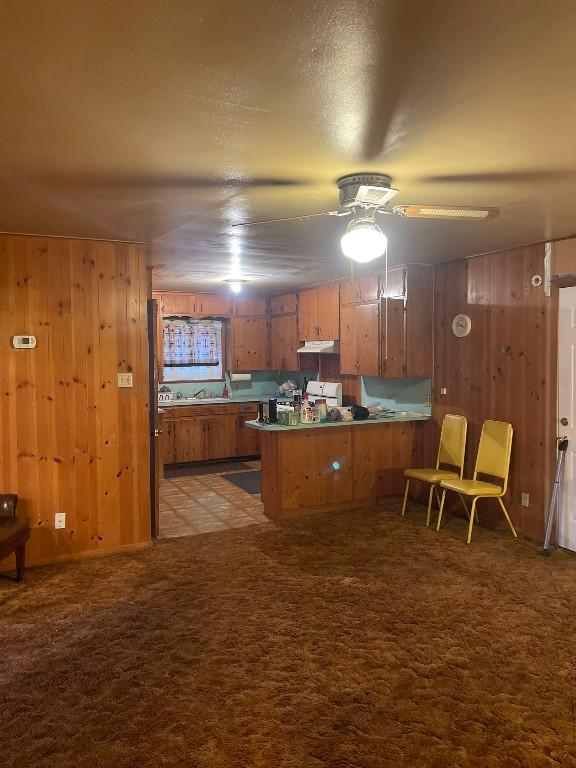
(525, 499)
(125, 380)
(443, 391)
(60, 520)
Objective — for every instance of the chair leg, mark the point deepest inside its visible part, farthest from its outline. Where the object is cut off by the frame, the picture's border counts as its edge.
(507, 516)
(429, 505)
(20, 561)
(437, 495)
(441, 509)
(405, 496)
(471, 523)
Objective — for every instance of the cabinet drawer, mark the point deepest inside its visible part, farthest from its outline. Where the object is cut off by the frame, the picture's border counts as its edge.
(248, 407)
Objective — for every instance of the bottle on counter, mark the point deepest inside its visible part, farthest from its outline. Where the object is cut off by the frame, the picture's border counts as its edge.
(272, 410)
(306, 414)
(321, 408)
(225, 391)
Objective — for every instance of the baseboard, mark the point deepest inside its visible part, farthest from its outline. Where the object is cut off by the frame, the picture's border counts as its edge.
(7, 565)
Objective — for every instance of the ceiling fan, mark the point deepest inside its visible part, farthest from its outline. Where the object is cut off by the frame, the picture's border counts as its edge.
(362, 196)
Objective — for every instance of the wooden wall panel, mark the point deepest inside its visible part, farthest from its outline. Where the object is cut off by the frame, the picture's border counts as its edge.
(564, 259)
(71, 441)
(500, 370)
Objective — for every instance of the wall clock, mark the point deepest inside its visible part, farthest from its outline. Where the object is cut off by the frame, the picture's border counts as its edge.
(461, 326)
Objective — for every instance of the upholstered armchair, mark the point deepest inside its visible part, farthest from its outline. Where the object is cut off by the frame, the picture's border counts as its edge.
(14, 532)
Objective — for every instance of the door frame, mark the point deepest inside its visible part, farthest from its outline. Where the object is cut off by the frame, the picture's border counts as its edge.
(552, 415)
(152, 310)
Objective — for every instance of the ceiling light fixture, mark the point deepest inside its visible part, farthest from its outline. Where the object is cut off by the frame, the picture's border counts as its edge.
(363, 241)
(235, 285)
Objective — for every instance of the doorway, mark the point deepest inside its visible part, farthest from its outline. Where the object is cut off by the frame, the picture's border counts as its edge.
(567, 413)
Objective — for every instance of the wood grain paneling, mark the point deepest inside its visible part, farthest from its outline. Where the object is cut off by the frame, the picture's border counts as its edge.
(71, 441)
(284, 304)
(500, 371)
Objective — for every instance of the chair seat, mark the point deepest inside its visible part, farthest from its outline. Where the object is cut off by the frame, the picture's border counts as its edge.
(472, 487)
(13, 530)
(430, 475)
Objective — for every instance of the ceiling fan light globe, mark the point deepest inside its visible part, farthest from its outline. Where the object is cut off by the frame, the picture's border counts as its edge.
(364, 244)
(235, 286)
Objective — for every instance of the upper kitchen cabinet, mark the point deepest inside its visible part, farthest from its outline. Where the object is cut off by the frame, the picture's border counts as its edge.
(176, 303)
(419, 320)
(406, 323)
(284, 304)
(284, 332)
(359, 339)
(359, 290)
(254, 306)
(213, 305)
(319, 313)
(250, 344)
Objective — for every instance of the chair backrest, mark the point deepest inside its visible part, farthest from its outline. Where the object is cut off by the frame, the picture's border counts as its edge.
(8, 504)
(494, 450)
(452, 442)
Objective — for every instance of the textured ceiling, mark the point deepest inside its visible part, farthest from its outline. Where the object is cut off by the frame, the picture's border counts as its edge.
(166, 122)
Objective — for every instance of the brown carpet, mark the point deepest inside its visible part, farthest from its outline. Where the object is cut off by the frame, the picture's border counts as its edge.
(351, 639)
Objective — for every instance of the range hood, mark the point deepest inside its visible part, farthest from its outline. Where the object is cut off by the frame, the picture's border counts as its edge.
(321, 347)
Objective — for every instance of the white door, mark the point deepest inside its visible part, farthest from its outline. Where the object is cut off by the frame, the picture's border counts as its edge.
(567, 411)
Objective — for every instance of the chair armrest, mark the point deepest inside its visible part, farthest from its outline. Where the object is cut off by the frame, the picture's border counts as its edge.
(8, 504)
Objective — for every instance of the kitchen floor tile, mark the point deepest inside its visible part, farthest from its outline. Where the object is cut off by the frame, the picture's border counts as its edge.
(200, 503)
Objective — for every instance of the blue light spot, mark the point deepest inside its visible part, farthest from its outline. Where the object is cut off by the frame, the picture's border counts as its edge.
(335, 466)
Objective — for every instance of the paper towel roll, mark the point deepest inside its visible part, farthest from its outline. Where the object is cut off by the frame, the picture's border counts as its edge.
(240, 377)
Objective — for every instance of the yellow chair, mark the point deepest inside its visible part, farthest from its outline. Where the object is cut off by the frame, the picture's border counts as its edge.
(450, 453)
(493, 459)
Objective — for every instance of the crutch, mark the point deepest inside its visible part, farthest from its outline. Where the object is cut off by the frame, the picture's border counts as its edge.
(554, 505)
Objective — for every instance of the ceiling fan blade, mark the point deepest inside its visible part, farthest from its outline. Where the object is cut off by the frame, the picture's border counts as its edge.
(503, 177)
(293, 218)
(446, 212)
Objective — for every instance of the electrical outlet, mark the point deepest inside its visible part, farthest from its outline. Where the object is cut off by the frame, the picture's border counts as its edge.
(525, 499)
(428, 401)
(60, 520)
(443, 391)
(125, 380)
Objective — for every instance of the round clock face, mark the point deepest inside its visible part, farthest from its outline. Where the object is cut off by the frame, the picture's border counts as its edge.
(461, 326)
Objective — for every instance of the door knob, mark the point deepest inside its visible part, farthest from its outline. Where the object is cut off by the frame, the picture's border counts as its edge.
(157, 432)
(564, 421)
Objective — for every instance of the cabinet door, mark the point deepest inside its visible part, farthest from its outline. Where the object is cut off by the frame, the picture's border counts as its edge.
(166, 441)
(285, 304)
(284, 343)
(367, 339)
(189, 440)
(213, 304)
(348, 350)
(250, 344)
(254, 306)
(178, 303)
(328, 311)
(219, 436)
(419, 321)
(247, 442)
(307, 315)
(393, 339)
(393, 286)
(359, 289)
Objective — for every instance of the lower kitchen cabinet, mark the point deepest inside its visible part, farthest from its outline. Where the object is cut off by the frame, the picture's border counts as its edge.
(195, 436)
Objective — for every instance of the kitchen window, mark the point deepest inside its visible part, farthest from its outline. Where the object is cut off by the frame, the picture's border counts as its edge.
(193, 349)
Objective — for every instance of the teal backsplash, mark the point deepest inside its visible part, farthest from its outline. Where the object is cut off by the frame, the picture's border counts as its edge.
(261, 383)
(397, 394)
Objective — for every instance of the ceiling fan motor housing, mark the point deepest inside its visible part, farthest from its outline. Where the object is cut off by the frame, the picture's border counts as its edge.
(377, 190)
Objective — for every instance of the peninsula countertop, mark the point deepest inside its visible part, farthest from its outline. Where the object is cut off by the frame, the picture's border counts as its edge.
(326, 424)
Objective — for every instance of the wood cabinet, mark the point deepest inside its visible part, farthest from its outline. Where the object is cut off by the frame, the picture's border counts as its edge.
(177, 303)
(284, 332)
(254, 306)
(406, 324)
(284, 304)
(247, 439)
(359, 290)
(213, 305)
(360, 339)
(205, 432)
(319, 313)
(250, 344)
(284, 343)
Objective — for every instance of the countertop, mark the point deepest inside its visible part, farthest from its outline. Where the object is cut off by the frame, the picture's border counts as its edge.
(322, 425)
(213, 401)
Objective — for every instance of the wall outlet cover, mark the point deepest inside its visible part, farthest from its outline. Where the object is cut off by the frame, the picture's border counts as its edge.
(125, 380)
(60, 520)
(525, 499)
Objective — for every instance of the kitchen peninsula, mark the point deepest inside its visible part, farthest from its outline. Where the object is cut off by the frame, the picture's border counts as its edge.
(333, 464)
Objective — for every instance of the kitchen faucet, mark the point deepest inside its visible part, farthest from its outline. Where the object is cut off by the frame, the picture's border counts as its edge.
(200, 392)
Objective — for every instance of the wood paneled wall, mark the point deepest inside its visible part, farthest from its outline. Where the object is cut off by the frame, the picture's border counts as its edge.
(564, 257)
(70, 440)
(503, 369)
